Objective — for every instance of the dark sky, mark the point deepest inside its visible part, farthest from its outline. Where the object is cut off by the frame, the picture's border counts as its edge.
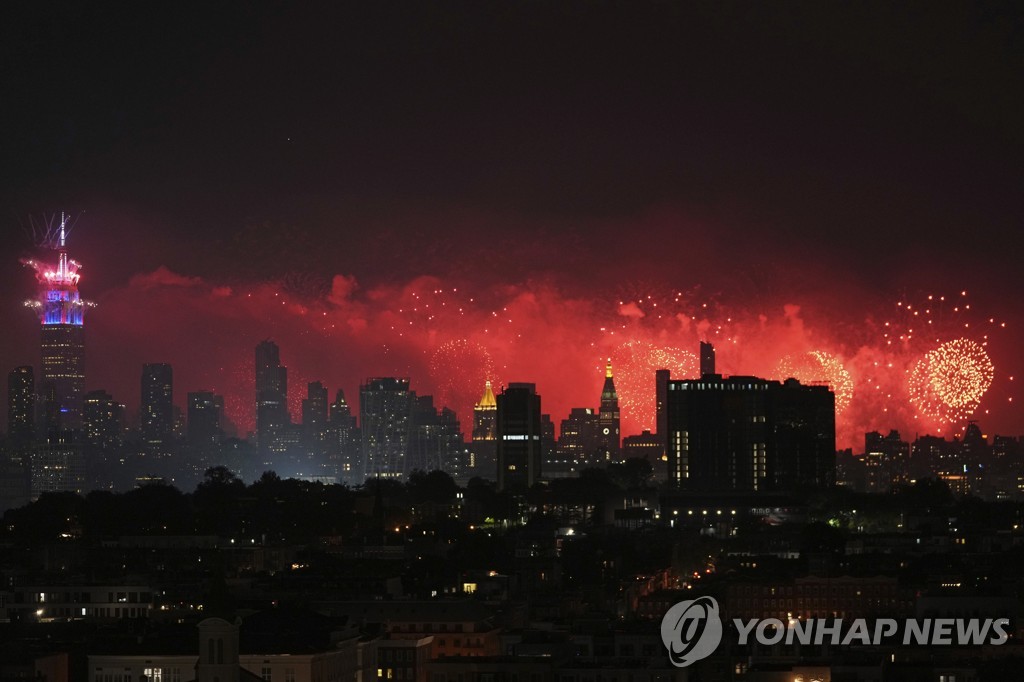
(830, 155)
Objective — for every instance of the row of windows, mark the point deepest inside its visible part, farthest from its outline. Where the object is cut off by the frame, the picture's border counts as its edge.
(266, 674)
(427, 627)
(73, 612)
(149, 675)
(811, 602)
(816, 590)
(86, 597)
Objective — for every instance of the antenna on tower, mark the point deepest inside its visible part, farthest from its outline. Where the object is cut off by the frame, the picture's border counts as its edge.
(47, 232)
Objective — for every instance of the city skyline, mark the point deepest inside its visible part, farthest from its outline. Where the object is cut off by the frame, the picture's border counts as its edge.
(455, 370)
(318, 178)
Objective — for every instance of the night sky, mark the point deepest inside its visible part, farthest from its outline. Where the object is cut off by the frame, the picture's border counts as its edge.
(777, 177)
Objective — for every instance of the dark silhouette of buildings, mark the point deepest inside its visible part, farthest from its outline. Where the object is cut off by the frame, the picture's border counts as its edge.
(21, 407)
(102, 421)
(314, 424)
(886, 460)
(644, 445)
(578, 438)
(520, 437)
(384, 420)
(661, 379)
(435, 439)
(156, 415)
(271, 394)
(343, 448)
(58, 465)
(707, 358)
(608, 419)
(745, 434)
(205, 409)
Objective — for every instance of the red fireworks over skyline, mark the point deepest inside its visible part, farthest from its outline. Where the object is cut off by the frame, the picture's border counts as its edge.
(450, 339)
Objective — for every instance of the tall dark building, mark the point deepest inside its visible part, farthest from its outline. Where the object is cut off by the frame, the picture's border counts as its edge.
(661, 379)
(578, 438)
(520, 436)
(205, 409)
(707, 358)
(886, 461)
(384, 423)
(271, 393)
(343, 447)
(608, 418)
(157, 413)
(102, 422)
(435, 439)
(548, 441)
(314, 423)
(21, 406)
(58, 465)
(745, 434)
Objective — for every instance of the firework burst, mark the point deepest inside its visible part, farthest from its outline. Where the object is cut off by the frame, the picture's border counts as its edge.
(458, 370)
(817, 366)
(635, 363)
(948, 383)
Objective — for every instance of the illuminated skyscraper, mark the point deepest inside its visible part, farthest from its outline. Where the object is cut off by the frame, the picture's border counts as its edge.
(520, 436)
(483, 450)
(271, 393)
(384, 422)
(156, 415)
(62, 315)
(608, 418)
(21, 406)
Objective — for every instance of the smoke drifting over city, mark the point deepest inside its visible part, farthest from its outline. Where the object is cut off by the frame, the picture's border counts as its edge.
(450, 333)
(398, 209)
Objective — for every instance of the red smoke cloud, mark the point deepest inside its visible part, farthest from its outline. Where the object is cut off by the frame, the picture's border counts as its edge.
(426, 328)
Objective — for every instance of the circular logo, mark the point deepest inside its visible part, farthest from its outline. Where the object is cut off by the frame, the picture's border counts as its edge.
(691, 630)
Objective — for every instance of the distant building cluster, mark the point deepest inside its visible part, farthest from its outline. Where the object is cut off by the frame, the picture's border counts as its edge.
(971, 465)
(714, 433)
(377, 543)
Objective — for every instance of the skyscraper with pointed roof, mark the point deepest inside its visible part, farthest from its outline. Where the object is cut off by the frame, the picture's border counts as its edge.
(483, 449)
(608, 418)
(484, 413)
(62, 316)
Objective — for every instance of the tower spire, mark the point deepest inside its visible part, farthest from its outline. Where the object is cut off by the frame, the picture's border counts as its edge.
(61, 314)
(608, 417)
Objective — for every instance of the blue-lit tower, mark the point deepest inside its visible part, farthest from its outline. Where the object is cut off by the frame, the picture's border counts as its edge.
(62, 315)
